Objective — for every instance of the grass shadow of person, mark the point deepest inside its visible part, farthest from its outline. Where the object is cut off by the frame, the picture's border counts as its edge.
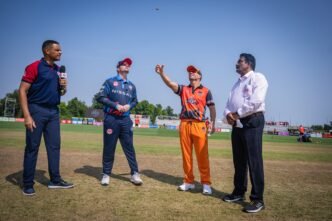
(96, 172)
(163, 177)
(176, 181)
(17, 178)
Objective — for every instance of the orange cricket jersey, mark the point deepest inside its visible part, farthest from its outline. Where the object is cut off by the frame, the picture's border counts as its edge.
(194, 102)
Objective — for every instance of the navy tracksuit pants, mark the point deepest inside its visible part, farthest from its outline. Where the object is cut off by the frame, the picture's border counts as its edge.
(48, 124)
(247, 151)
(118, 128)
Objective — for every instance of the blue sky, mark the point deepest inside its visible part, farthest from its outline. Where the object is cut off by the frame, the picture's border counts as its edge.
(291, 40)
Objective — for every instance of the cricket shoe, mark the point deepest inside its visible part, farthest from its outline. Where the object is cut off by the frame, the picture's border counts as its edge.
(186, 187)
(105, 180)
(136, 179)
(207, 189)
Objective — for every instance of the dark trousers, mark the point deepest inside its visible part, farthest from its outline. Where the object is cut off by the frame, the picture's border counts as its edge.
(115, 128)
(247, 152)
(48, 124)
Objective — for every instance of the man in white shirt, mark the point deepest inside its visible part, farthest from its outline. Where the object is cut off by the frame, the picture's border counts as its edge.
(245, 112)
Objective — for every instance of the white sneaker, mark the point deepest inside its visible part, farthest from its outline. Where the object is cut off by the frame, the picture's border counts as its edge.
(105, 180)
(207, 189)
(136, 179)
(186, 187)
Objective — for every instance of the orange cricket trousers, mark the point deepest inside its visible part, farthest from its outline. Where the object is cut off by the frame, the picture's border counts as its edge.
(194, 133)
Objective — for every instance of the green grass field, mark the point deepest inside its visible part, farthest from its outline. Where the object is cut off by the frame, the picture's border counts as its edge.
(298, 179)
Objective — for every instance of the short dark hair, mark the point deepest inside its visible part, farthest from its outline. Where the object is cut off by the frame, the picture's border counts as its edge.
(48, 43)
(250, 59)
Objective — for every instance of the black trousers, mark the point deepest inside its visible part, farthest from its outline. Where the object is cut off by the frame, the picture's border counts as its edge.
(247, 152)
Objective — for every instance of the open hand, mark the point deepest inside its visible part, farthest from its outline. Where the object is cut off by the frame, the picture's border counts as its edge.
(159, 69)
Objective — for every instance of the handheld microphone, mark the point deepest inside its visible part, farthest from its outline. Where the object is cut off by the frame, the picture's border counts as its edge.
(62, 75)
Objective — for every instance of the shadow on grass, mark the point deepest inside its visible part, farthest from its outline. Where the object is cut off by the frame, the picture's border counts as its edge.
(96, 172)
(17, 178)
(176, 181)
(163, 177)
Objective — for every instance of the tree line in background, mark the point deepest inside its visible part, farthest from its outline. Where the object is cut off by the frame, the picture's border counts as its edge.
(326, 127)
(77, 108)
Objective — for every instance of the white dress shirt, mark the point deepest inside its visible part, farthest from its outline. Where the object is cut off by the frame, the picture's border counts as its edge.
(247, 95)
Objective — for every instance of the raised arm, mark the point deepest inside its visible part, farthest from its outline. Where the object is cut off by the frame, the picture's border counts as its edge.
(172, 85)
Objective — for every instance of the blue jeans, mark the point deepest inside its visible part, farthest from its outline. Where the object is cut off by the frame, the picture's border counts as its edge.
(48, 124)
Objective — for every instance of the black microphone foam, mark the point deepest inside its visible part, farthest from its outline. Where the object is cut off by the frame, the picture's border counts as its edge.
(62, 69)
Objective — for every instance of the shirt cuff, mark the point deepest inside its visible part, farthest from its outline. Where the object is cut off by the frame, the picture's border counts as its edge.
(240, 112)
(226, 112)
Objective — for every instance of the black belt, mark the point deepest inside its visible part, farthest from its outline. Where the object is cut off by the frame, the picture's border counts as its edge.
(260, 113)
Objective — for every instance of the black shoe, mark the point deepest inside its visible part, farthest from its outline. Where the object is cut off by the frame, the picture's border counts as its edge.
(254, 206)
(60, 185)
(233, 198)
(28, 191)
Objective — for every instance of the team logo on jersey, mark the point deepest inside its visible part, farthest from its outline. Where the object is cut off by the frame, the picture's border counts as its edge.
(200, 93)
(115, 83)
(109, 131)
(130, 87)
(191, 101)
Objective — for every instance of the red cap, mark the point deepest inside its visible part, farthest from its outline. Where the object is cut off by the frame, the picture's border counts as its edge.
(193, 69)
(126, 60)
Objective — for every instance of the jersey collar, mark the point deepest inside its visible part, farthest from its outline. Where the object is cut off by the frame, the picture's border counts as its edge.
(199, 87)
(119, 78)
